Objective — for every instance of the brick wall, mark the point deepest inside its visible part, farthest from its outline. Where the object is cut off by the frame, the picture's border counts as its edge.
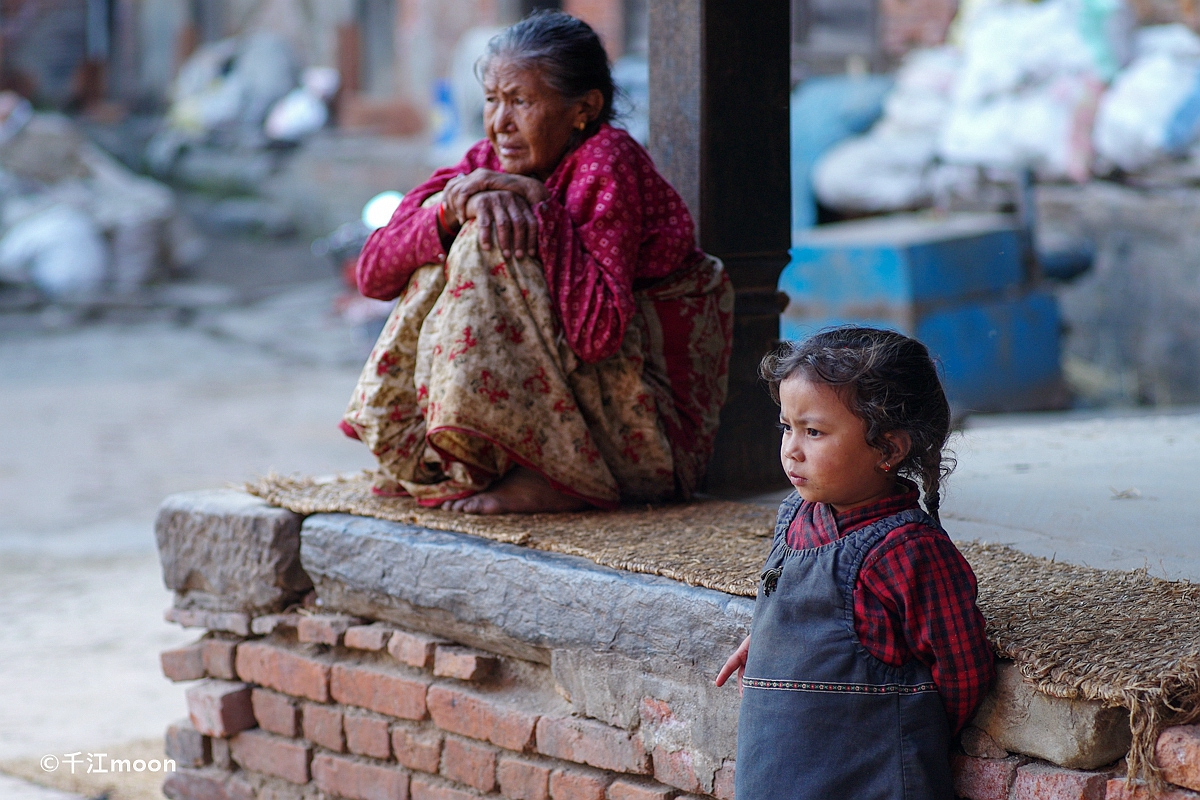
(326, 705)
(468, 669)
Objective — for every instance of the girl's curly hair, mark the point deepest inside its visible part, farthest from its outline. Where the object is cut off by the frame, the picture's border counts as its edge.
(887, 380)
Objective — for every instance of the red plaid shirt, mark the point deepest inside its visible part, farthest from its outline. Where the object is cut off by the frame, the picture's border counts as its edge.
(915, 598)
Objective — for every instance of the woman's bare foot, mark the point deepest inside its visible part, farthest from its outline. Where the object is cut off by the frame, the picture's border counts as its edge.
(521, 491)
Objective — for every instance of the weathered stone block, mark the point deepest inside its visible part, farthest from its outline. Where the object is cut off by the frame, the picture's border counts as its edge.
(224, 550)
(432, 583)
(978, 744)
(1077, 734)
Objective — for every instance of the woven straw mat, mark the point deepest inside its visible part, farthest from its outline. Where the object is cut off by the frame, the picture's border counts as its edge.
(1122, 638)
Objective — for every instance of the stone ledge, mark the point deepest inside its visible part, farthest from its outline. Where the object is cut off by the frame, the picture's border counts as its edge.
(226, 551)
(513, 600)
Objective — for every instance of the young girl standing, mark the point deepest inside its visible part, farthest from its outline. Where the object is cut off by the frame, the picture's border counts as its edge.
(867, 651)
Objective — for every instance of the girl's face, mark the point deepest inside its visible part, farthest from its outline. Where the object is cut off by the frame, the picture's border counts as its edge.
(824, 450)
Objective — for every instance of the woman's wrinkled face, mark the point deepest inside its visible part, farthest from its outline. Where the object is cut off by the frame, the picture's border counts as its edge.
(527, 121)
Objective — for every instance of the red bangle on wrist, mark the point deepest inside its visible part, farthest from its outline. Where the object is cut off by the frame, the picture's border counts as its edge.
(441, 217)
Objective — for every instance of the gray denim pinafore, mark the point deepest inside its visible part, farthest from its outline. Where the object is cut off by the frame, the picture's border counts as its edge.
(821, 718)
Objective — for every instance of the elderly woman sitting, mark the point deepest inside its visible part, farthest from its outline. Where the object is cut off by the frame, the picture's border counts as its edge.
(559, 342)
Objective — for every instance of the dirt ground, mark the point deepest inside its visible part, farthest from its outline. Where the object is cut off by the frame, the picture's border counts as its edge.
(100, 421)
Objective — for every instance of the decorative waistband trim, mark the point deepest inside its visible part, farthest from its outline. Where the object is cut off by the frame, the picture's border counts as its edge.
(845, 688)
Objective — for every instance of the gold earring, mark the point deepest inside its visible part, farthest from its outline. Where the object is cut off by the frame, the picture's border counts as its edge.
(581, 126)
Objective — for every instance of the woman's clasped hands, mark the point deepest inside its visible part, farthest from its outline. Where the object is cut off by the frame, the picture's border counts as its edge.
(502, 207)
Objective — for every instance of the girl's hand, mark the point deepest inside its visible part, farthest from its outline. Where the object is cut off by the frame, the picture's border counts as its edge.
(505, 219)
(736, 663)
(461, 188)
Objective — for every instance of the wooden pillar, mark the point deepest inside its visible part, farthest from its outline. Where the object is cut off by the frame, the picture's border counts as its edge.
(719, 85)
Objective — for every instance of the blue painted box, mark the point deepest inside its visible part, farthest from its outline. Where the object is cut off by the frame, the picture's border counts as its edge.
(956, 283)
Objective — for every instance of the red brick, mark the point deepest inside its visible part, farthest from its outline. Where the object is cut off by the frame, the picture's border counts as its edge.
(259, 751)
(220, 708)
(417, 748)
(984, 778)
(374, 689)
(368, 637)
(1047, 782)
(324, 628)
(1177, 753)
(723, 781)
(522, 779)
(462, 712)
(188, 746)
(218, 657)
(586, 741)
(470, 763)
(323, 725)
(578, 783)
(276, 712)
(286, 671)
(427, 787)
(626, 789)
(463, 663)
(414, 649)
(367, 735)
(183, 663)
(355, 780)
(191, 784)
(676, 768)
(1138, 790)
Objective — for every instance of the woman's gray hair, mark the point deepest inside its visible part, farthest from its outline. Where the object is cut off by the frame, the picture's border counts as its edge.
(566, 50)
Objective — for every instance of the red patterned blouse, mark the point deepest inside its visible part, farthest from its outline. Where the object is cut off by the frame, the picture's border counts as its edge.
(915, 598)
(611, 219)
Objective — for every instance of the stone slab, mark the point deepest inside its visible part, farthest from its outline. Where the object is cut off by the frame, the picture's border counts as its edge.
(514, 600)
(224, 550)
(1076, 734)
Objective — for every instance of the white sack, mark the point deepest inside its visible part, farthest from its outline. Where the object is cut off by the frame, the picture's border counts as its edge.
(1134, 116)
(59, 250)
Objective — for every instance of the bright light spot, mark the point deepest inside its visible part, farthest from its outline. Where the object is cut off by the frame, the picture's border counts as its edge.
(379, 209)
